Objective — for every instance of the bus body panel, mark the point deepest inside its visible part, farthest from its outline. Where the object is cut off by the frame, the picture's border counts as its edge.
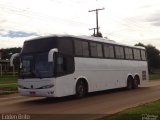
(65, 85)
(105, 74)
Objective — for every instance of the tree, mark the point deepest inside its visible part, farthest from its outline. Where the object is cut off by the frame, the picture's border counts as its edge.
(6, 53)
(98, 35)
(140, 44)
(153, 56)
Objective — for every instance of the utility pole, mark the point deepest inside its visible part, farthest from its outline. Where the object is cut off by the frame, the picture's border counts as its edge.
(94, 29)
(96, 10)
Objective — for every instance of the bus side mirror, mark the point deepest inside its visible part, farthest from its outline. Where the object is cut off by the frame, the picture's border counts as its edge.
(12, 58)
(51, 54)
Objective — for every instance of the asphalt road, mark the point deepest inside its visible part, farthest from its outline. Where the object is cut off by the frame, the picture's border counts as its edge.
(93, 106)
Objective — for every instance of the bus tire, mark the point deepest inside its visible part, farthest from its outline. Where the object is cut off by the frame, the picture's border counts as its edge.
(135, 82)
(81, 88)
(129, 83)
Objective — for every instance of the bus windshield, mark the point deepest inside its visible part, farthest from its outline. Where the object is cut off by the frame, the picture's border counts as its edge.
(36, 65)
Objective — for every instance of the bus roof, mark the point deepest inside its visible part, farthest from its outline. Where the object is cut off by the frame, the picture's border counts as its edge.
(91, 38)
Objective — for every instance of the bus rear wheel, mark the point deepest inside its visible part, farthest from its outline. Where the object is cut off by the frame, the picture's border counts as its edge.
(81, 89)
(129, 83)
(135, 82)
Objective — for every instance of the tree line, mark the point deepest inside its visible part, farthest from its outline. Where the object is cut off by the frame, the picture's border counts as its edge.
(6, 53)
(153, 56)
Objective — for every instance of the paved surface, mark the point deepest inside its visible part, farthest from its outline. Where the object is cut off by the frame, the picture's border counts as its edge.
(93, 106)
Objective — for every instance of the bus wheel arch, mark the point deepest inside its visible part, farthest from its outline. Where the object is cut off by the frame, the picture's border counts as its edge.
(81, 88)
(130, 82)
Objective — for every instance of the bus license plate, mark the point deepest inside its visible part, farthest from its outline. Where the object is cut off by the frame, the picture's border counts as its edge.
(32, 93)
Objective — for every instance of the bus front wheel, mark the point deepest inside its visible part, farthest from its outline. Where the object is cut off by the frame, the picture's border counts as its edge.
(81, 89)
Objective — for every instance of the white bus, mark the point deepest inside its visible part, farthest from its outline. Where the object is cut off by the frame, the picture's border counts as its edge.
(62, 65)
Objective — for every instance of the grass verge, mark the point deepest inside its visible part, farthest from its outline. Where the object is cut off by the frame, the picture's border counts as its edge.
(8, 79)
(8, 87)
(155, 76)
(137, 113)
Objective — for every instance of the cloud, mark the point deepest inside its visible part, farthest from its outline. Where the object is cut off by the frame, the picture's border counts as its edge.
(146, 6)
(2, 32)
(154, 19)
(18, 34)
(7, 42)
(14, 43)
(156, 23)
(3, 21)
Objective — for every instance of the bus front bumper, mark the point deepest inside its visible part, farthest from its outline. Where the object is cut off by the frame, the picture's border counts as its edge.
(37, 92)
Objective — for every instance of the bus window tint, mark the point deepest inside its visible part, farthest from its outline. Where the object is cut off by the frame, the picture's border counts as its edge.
(136, 53)
(78, 47)
(60, 64)
(143, 55)
(85, 49)
(108, 51)
(65, 65)
(93, 48)
(128, 53)
(81, 48)
(96, 49)
(99, 50)
(119, 52)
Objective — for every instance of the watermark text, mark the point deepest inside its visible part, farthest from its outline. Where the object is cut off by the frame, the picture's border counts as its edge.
(15, 117)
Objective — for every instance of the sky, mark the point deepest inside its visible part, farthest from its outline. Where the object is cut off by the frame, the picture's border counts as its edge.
(125, 21)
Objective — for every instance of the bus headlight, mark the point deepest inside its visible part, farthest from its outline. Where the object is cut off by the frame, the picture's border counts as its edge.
(46, 86)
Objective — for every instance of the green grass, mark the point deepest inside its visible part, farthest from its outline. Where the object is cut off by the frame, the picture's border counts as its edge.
(8, 84)
(155, 76)
(8, 87)
(8, 79)
(137, 112)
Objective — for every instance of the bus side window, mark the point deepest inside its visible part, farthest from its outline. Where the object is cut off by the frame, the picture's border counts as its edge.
(65, 65)
(128, 53)
(143, 54)
(60, 64)
(69, 64)
(108, 51)
(136, 53)
(119, 52)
